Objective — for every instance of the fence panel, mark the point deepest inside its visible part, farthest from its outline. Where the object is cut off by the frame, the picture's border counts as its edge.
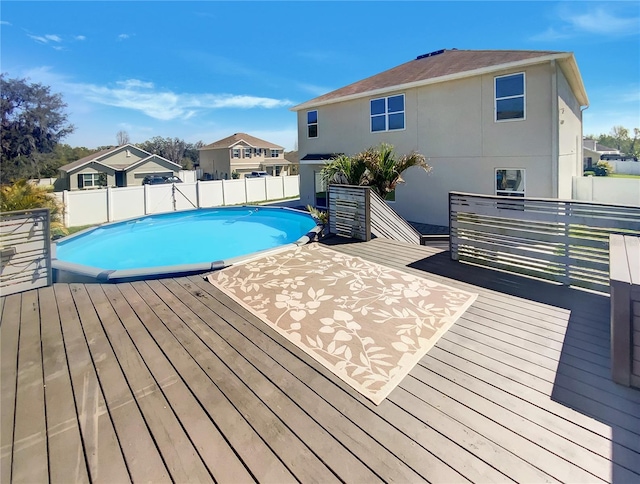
(186, 196)
(602, 189)
(275, 187)
(211, 193)
(159, 199)
(86, 207)
(291, 186)
(256, 189)
(25, 251)
(234, 192)
(557, 240)
(126, 203)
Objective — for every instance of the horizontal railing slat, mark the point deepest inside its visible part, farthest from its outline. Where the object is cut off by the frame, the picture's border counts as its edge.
(561, 240)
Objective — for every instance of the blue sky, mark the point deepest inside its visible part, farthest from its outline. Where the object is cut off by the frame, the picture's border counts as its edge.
(205, 70)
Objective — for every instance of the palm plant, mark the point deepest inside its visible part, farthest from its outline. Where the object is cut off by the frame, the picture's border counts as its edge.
(344, 170)
(375, 167)
(23, 195)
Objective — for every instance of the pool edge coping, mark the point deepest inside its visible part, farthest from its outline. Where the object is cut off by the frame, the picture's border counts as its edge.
(88, 273)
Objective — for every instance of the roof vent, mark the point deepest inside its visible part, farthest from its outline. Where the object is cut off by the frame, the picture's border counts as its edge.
(430, 54)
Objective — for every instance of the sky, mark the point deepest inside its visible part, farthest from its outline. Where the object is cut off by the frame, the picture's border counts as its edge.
(201, 71)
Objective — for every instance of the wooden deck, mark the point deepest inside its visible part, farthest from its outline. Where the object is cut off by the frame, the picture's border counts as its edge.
(169, 380)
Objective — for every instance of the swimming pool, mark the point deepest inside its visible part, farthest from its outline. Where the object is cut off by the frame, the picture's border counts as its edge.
(177, 242)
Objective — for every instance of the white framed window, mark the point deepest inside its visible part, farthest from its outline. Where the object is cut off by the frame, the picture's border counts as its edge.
(510, 97)
(247, 152)
(274, 153)
(387, 113)
(236, 153)
(312, 124)
(92, 180)
(510, 182)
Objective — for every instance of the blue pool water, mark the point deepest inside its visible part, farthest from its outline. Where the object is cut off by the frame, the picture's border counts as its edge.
(191, 237)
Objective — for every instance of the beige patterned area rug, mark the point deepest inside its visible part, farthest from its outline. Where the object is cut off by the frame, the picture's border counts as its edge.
(366, 323)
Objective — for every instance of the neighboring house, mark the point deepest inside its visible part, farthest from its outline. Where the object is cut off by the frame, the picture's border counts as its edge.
(594, 152)
(293, 158)
(122, 166)
(489, 122)
(241, 153)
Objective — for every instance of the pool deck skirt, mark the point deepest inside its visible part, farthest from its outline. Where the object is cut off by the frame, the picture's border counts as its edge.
(172, 380)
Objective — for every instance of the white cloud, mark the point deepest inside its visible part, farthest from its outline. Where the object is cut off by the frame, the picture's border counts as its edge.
(4, 22)
(599, 21)
(53, 38)
(594, 21)
(80, 37)
(47, 39)
(123, 36)
(167, 105)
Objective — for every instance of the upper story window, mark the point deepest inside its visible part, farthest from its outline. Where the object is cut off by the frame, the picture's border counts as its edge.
(387, 113)
(274, 153)
(510, 97)
(312, 124)
(247, 152)
(236, 153)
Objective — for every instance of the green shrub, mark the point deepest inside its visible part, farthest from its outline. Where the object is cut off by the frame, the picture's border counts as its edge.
(603, 168)
(589, 173)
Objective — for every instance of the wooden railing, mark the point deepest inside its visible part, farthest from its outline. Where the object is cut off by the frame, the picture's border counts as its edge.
(358, 212)
(625, 309)
(25, 250)
(557, 240)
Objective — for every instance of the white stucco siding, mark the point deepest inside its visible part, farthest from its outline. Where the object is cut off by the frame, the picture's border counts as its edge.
(453, 124)
(425, 197)
(570, 156)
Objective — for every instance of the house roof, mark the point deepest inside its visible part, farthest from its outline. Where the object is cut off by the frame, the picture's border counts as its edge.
(447, 65)
(292, 156)
(102, 158)
(320, 156)
(600, 147)
(236, 138)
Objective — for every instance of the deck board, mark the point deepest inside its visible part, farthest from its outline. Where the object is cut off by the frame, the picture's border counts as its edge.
(9, 338)
(30, 459)
(66, 454)
(172, 380)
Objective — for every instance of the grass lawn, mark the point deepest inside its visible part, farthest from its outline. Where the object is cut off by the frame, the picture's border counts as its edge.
(622, 175)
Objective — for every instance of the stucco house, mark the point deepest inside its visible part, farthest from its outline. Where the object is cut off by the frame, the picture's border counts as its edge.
(490, 122)
(122, 166)
(241, 153)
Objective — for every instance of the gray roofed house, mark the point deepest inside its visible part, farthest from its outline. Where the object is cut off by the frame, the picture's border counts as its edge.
(495, 122)
(122, 166)
(242, 154)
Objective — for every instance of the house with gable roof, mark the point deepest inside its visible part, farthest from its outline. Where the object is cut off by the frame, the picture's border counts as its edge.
(489, 121)
(122, 166)
(243, 154)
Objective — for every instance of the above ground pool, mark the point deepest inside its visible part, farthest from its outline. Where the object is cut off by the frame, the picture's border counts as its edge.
(177, 242)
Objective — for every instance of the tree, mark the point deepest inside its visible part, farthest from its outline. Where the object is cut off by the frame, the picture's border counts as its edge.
(620, 138)
(174, 149)
(33, 123)
(122, 137)
(375, 167)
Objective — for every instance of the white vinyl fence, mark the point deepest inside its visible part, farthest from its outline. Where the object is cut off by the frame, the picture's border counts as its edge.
(603, 189)
(86, 207)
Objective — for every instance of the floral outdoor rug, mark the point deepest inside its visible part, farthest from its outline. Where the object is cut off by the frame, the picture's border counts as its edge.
(366, 323)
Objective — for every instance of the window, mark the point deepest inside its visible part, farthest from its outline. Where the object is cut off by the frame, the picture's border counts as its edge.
(236, 152)
(247, 152)
(510, 182)
(274, 153)
(92, 180)
(312, 124)
(387, 113)
(509, 94)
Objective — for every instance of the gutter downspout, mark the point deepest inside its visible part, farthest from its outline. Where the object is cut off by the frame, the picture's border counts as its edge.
(555, 133)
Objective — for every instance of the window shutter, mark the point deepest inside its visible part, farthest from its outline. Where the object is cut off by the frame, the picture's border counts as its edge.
(80, 181)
